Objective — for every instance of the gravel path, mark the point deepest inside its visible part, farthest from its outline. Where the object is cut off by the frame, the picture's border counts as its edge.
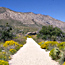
(31, 54)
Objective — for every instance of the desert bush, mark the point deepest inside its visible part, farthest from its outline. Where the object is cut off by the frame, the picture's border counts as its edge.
(1, 46)
(4, 56)
(0, 49)
(21, 45)
(18, 47)
(48, 45)
(2, 62)
(12, 51)
(56, 54)
(40, 43)
(64, 63)
(61, 46)
(20, 40)
(12, 45)
(27, 36)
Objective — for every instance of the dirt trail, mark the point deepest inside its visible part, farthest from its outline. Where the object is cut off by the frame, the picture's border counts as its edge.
(32, 54)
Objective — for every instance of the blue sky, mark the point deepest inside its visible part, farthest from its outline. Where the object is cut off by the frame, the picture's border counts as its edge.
(53, 8)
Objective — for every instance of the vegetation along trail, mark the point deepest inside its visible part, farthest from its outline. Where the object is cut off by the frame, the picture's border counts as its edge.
(32, 54)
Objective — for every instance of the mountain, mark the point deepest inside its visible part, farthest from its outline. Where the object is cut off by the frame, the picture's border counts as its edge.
(28, 20)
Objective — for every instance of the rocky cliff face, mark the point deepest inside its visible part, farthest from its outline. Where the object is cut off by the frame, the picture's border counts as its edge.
(30, 18)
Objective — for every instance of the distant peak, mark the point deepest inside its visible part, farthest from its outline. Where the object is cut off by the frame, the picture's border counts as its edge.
(29, 12)
(2, 9)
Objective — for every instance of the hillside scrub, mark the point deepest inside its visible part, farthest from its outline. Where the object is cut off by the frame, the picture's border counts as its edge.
(51, 33)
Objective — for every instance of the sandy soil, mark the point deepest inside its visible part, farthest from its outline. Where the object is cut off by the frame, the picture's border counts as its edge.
(32, 54)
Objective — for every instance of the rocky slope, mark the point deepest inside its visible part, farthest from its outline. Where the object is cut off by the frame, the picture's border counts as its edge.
(28, 19)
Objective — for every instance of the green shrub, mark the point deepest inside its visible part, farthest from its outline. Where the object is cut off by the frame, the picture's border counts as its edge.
(6, 32)
(2, 62)
(12, 51)
(0, 49)
(51, 33)
(4, 56)
(56, 54)
(61, 46)
(18, 47)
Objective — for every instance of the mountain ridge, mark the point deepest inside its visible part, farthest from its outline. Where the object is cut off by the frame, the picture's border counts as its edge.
(30, 18)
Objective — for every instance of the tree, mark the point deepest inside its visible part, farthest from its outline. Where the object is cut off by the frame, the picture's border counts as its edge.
(6, 33)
